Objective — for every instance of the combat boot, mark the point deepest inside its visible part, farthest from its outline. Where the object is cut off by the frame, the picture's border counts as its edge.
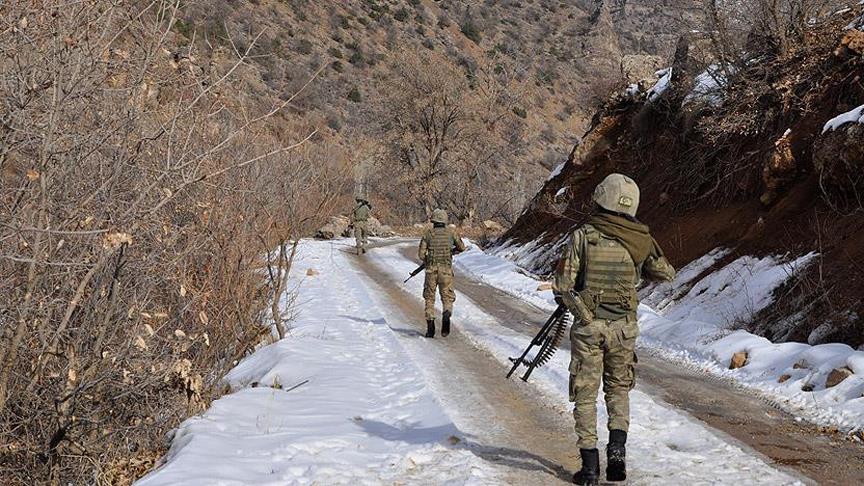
(616, 467)
(430, 328)
(445, 324)
(590, 473)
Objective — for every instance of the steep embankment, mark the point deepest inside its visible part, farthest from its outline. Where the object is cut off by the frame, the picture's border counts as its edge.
(750, 165)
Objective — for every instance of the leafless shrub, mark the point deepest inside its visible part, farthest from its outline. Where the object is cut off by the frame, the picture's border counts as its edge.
(138, 194)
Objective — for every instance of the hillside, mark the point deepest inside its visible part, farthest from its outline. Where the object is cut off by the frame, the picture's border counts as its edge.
(752, 159)
(524, 77)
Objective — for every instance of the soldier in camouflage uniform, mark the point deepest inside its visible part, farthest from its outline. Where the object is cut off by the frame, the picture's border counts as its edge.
(596, 279)
(437, 247)
(360, 218)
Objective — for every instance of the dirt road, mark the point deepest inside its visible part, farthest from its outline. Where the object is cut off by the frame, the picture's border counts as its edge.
(823, 457)
(520, 431)
(743, 417)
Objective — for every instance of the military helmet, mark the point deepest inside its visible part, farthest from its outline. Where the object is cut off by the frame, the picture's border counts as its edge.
(439, 216)
(618, 193)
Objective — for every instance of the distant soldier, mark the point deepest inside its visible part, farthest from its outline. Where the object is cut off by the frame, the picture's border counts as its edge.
(437, 247)
(360, 218)
(596, 279)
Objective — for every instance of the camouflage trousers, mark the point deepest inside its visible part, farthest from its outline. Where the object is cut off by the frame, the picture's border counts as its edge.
(602, 350)
(440, 277)
(361, 234)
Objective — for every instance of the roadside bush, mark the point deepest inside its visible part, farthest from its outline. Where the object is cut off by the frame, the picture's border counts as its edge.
(138, 233)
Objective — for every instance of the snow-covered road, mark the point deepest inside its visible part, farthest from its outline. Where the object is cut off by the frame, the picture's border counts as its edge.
(384, 406)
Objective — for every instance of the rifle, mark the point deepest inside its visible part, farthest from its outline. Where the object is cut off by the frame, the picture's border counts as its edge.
(548, 338)
(423, 267)
(415, 272)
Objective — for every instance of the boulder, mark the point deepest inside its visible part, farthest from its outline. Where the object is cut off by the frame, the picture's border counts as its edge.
(784, 378)
(838, 157)
(311, 272)
(492, 227)
(801, 365)
(779, 170)
(739, 360)
(837, 376)
(378, 229)
(640, 67)
(852, 44)
(336, 226)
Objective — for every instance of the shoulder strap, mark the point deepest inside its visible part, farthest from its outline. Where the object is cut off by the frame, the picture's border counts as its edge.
(583, 262)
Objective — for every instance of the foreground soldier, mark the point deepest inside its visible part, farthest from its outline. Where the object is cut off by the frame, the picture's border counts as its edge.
(436, 250)
(596, 279)
(361, 224)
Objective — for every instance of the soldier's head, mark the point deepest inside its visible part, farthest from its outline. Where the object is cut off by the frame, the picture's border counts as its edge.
(618, 194)
(439, 217)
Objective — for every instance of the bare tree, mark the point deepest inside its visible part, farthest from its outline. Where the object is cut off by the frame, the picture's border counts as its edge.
(138, 199)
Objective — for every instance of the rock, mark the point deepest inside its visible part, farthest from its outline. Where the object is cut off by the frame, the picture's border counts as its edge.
(336, 226)
(544, 286)
(378, 229)
(664, 198)
(801, 365)
(808, 387)
(492, 226)
(838, 158)
(419, 225)
(640, 67)
(837, 376)
(784, 378)
(852, 44)
(739, 360)
(779, 170)
(311, 272)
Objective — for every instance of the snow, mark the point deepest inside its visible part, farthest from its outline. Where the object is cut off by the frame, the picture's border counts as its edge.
(632, 90)
(561, 192)
(709, 86)
(366, 415)
(854, 116)
(556, 171)
(503, 274)
(668, 443)
(692, 321)
(532, 256)
(663, 83)
(367, 411)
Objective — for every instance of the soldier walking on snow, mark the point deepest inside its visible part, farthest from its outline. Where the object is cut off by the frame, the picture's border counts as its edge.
(360, 218)
(437, 247)
(596, 279)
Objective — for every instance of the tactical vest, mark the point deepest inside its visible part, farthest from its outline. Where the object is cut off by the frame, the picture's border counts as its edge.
(610, 277)
(361, 213)
(439, 247)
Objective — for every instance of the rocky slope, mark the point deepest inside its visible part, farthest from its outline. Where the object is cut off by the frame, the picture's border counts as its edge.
(753, 166)
(560, 59)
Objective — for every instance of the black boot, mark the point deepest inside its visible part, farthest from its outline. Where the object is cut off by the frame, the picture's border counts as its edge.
(590, 473)
(445, 323)
(616, 467)
(430, 328)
